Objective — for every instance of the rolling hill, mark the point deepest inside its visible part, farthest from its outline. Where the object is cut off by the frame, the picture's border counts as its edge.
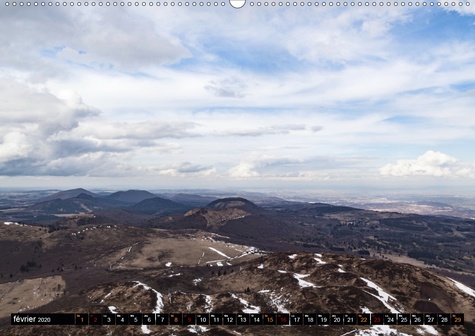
(233, 202)
(157, 206)
(66, 194)
(131, 196)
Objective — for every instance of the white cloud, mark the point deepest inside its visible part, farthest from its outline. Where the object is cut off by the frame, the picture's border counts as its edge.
(343, 36)
(276, 167)
(431, 163)
(186, 169)
(243, 170)
(251, 130)
(14, 146)
(87, 164)
(39, 135)
(27, 106)
(229, 87)
(61, 40)
(151, 129)
(464, 9)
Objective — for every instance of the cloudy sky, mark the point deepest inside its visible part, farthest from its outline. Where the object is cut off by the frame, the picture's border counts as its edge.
(260, 97)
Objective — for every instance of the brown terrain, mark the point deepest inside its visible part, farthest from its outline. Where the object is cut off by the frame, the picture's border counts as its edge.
(233, 256)
(127, 269)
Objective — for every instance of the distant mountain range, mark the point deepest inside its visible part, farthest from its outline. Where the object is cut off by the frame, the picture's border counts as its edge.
(79, 200)
(67, 194)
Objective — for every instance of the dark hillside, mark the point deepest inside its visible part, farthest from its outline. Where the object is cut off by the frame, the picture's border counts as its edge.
(233, 202)
(67, 194)
(157, 206)
(131, 196)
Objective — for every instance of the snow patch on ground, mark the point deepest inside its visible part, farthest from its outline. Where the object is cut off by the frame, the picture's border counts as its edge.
(221, 236)
(320, 261)
(199, 261)
(278, 301)
(250, 250)
(197, 329)
(113, 309)
(380, 330)
(387, 305)
(365, 310)
(168, 264)
(382, 295)
(280, 271)
(219, 263)
(464, 288)
(208, 238)
(292, 256)
(385, 296)
(105, 297)
(195, 281)
(341, 271)
(219, 252)
(303, 283)
(261, 266)
(208, 304)
(145, 329)
(12, 223)
(159, 304)
(250, 309)
(210, 262)
(174, 275)
(429, 329)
